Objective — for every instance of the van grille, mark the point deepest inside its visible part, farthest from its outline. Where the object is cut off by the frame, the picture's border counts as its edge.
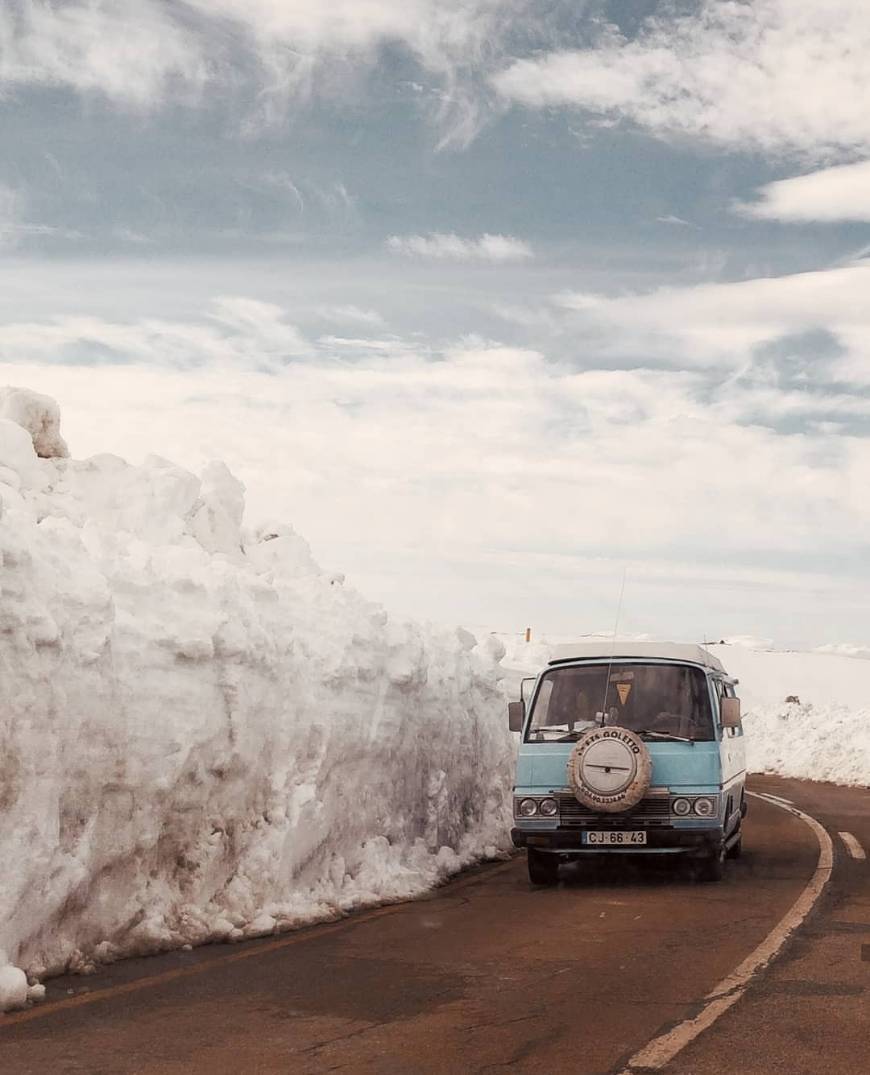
(650, 809)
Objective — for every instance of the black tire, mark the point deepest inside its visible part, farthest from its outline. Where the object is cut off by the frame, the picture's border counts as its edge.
(736, 849)
(711, 868)
(543, 868)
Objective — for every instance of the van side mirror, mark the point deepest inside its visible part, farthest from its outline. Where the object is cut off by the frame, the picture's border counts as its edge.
(516, 716)
(730, 711)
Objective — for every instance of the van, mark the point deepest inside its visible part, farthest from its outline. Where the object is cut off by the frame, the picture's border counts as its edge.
(635, 752)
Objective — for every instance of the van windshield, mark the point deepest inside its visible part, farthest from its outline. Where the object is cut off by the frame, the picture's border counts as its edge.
(658, 700)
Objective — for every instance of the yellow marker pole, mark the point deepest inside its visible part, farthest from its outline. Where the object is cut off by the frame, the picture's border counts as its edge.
(528, 634)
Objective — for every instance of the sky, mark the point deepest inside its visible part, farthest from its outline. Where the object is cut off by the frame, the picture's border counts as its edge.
(496, 301)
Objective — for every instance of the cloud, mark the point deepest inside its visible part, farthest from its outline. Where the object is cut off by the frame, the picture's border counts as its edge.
(132, 51)
(143, 54)
(237, 331)
(302, 47)
(481, 476)
(826, 196)
(716, 325)
(130, 235)
(445, 246)
(284, 183)
(770, 75)
(10, 207)
(351, 313)
(260, 329)
(14, 229)
(582, 447)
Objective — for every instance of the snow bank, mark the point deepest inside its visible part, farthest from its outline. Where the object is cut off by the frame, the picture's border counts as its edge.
(824, 735)
(39, 415)
(824, 742)
(204, 736)
(767, 678)
(846, 649)
(13, 988)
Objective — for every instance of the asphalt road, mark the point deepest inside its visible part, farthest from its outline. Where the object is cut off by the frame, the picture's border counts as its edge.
(489, 974)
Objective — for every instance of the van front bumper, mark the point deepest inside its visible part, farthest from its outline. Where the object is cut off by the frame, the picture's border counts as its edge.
(658, 840)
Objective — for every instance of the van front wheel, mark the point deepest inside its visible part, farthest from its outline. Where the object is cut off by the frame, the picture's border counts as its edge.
(543, 868)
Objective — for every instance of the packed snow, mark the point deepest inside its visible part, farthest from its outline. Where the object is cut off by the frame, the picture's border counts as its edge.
(13, 988)
(39, 415)
(202, 734)
(823, 734)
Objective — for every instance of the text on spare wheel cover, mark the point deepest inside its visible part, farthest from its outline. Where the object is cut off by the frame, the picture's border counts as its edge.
(589, 740)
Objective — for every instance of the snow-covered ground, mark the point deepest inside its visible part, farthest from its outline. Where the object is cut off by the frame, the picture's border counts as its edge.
(824, 735)
(202, 734)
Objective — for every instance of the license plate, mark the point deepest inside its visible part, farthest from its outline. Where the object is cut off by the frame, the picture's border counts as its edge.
(619, 839)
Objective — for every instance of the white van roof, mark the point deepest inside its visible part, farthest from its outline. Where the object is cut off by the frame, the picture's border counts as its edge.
(665, 651)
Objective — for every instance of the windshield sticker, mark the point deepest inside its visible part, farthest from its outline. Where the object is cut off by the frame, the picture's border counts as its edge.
(623, 690)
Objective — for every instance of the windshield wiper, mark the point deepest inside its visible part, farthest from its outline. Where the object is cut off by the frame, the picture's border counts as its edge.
(667, 735)
(560, 735)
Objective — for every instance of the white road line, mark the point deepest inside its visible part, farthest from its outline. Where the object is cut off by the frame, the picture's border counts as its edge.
(852, 845)
(777, 798)
(661, 1050)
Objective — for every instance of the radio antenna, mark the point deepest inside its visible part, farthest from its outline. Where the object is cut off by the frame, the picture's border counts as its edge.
(613, 646)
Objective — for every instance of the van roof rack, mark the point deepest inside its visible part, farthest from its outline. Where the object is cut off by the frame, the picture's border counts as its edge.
(687, 652)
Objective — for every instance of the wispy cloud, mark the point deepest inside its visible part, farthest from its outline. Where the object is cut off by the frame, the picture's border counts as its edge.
(772, 75)
(827, 195)
(132, 51)
(129, 235)
(445, 246)
(15, 228)
(10, 206)
(678, 221)
(237, 331)
(142, 54)
(353, 314)
(282, 182)
(719, 325)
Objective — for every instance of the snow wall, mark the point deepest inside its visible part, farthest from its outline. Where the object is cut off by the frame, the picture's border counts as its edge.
(202, 734)
(825, 733)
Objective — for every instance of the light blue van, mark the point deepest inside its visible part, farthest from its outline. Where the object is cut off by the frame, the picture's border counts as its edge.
(636, 752)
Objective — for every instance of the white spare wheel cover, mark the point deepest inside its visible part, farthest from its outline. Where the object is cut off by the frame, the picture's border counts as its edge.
(609, 769)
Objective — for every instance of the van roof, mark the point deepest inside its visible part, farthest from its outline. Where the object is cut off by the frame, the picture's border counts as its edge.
(665, 651)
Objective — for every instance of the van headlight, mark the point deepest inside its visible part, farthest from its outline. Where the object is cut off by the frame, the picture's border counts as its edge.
(704, 807)
(527, 808)
(681, 807)
(548, 807)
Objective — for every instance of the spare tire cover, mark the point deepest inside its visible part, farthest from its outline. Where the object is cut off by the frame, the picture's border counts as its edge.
(609, 769)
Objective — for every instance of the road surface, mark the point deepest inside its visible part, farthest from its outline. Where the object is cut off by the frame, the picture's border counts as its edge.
(490, 975)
